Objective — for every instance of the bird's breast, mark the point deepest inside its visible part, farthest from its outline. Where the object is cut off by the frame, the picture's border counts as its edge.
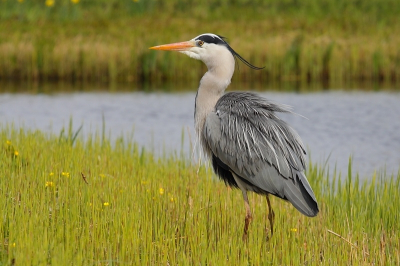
(212, 87)
(205, 105)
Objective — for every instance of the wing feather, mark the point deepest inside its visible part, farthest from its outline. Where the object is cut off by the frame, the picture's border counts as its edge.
(245, 135)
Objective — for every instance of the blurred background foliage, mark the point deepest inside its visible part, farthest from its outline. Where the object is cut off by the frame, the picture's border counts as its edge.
(367, 11)
(332, 42)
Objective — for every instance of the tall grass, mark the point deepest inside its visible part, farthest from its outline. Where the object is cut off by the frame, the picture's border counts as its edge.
(335, 42)
(95, 202)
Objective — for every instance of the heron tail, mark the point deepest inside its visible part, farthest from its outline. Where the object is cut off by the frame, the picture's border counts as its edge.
(300, 194)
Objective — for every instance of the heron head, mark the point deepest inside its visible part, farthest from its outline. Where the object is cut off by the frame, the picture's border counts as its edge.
(209, 48)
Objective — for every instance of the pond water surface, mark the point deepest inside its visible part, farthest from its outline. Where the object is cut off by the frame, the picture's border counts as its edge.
(365, 125)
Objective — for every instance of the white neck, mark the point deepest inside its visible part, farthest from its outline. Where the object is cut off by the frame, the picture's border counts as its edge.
(213, 85)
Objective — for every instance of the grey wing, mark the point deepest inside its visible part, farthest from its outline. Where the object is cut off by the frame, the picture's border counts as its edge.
(246, 137)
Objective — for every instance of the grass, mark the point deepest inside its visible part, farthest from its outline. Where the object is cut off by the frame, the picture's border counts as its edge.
(331, 42)
(66, 201)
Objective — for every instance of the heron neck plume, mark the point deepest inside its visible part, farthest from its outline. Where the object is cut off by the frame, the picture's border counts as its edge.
(212, 87)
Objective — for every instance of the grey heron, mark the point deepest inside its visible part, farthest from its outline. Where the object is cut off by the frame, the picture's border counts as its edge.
(249, 146)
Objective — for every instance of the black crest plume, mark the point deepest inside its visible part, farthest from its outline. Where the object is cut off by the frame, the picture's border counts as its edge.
(217, 39)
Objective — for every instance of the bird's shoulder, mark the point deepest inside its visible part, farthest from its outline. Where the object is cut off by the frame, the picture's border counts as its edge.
(245, 131)
(247, 104)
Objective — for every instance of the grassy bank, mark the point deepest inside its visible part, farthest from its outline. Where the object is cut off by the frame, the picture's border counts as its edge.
(333, 42)
(65, 201)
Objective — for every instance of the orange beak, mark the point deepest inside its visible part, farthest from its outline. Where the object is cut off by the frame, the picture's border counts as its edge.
(179, 46)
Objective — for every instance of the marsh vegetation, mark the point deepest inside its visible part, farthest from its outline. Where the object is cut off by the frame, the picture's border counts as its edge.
(68, 201)
(331, 42)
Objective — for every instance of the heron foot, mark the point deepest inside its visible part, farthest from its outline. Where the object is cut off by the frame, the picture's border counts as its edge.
(247, 222)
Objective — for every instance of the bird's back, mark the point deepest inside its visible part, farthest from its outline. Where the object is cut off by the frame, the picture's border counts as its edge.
(243, 135)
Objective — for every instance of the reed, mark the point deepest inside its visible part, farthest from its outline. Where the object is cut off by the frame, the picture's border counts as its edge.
(69, 201)
(328, 41)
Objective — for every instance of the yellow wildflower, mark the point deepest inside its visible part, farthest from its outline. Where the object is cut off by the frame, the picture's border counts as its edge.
(51, 174)
(49, 3)
(16, 153)
(49, 184)
(106, 203)
(13, 245)
(143, 182)
(20, 1)
(293, 229)
(75, 1)
(102, 175)
(8, 142)
(171, 197)
(161, 191)
(66, 174)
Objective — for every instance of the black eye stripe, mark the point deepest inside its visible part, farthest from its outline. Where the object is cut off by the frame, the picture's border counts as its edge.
(210, 39)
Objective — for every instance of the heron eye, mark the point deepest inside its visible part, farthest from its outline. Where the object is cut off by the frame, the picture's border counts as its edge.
(200, 43)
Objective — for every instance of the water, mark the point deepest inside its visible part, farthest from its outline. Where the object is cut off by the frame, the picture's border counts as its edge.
(337, 124)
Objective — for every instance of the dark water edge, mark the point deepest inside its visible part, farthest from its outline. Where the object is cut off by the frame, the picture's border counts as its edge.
(49, 87)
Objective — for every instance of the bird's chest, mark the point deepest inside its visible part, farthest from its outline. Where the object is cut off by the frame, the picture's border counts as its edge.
(204, 105)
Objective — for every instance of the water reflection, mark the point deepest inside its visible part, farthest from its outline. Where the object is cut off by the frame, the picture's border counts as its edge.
(337, 124)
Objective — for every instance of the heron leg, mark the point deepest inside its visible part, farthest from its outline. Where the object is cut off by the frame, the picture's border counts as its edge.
(271, 217)
(248, 217)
